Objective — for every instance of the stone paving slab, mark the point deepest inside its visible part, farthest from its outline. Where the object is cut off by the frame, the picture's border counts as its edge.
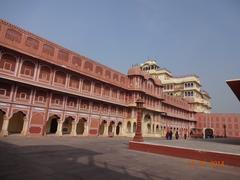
(87, 158)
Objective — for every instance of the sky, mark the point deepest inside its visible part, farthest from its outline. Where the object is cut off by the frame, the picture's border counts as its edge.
(187, 37)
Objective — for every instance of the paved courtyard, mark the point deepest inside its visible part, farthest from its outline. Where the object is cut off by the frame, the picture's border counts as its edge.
(67, 158)
(218, 145)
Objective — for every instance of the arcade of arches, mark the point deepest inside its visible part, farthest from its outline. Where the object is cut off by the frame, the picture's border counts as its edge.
(73, 127)
(151, 128)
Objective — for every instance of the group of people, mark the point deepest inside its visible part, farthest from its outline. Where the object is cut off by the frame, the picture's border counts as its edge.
(169, 135)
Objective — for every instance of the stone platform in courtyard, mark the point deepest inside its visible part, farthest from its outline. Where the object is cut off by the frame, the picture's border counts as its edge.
(225, 151)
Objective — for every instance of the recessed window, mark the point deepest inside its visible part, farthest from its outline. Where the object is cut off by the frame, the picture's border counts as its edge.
(71, 104)
(7, 66)
(40, 99)
(23, 95)
(27, 71)
(57, 101)
(2, 92)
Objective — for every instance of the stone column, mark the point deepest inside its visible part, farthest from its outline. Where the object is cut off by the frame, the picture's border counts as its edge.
(4, 131)
(120, 130)
(105, 133)
(114, 129)
(138, 134)
(25, 127)
(85, 132)
(59, 128)
(74, 128)
(131, 130)
(153, 128)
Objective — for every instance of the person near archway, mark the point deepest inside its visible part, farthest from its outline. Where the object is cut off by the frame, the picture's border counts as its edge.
(176, 135)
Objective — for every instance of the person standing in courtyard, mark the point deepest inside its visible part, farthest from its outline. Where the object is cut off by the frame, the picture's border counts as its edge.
(167, 135)
(185, 135)
(176, 135)
(170, 134)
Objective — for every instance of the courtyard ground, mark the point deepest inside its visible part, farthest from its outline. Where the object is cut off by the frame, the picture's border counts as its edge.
(86, 158)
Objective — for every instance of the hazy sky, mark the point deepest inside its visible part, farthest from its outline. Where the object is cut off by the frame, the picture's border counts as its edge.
(187, 37)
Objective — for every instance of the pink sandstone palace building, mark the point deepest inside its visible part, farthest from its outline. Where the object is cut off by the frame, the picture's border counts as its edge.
(46, 89)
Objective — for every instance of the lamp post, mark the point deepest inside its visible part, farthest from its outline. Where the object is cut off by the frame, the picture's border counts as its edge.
(138, 134)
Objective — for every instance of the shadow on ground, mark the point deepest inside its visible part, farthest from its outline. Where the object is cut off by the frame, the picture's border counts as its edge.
(54, 162)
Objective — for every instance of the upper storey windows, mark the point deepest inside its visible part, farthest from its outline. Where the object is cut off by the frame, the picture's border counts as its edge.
(62, 55)
(48, 50)
(13, 35)
(88, 66)
(77, 62)
(115, 77)
(32, 43)
(107, 74)
(74, 82)
(188, 85)
(45, 73)
(86, 87)
(60, 78)
(168, 87)
(8, 62)
(99, 70)
(188, 93)
(27, 68)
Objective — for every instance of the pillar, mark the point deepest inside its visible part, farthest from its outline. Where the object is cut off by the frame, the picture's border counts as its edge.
(4, 131)
(25, 127)
(114, 129)
(138, 134)
(105, 132)
(131, 130)
(74, 128)
(85, 132)
(59, 128)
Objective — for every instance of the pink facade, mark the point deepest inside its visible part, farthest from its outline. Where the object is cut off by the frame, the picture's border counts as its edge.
(222, 124)
(45, 88)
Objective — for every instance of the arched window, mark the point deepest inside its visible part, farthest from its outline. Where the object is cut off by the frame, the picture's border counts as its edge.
(114, 93)
(96, 106)
(13, 35)
(45, 73)
(191, 93)
(27, 68)
(72, 101)
(63, 55)
(57, 99)
(122, 80)
(115, 77)
(106, 91)
(86, 85)
(48, 50)
(32, 43)
(88, 66)
(84, 104)
(76, 61)
(97, 88)
(5, 89)
(60, 77)
(74, 82)
(41, 96)
(23, 93)
(99, 70)
(107, 74)
(8, 62)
